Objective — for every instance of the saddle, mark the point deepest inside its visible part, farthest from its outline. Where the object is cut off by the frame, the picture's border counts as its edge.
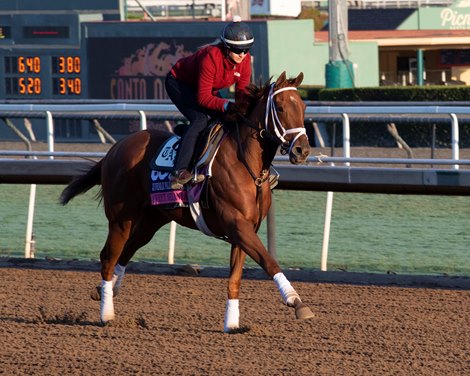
(206, 146)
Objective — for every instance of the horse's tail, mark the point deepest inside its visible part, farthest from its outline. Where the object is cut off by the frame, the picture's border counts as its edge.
(82, 184)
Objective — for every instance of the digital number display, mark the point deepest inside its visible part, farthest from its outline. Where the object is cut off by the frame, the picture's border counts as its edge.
(29, 64)
(29, 85)
(23, 75)
(67, 86)
(66, 64)
(32, 76)
(66, 75)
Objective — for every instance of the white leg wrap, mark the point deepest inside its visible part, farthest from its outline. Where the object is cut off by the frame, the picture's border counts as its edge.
(232, 315)
(106, 305)
(118, 275)
(285, 288)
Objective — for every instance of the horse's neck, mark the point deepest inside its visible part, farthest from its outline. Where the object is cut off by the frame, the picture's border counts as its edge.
(258, 151)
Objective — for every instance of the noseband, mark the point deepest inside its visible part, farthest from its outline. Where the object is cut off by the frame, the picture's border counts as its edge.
(279, 130)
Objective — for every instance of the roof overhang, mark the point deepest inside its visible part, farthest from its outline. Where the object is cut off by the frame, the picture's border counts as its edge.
(427, 39)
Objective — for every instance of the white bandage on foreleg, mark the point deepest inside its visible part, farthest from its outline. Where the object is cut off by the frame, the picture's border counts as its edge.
(285, 288)
(106, 305)
(118, 275)
(232, 315)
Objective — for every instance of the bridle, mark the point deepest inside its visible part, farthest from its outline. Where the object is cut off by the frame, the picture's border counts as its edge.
(279, 130)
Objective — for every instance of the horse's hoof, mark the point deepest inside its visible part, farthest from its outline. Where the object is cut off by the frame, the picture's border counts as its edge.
(96, 293)
(302, 311)
(107, 319)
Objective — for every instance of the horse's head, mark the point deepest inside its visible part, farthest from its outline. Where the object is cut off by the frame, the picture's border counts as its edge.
(284, 118)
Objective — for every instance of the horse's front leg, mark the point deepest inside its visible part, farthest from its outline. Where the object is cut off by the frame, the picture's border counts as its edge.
(249, 241)
(232, 313)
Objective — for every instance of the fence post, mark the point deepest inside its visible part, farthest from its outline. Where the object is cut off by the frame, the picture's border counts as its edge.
(271, 230)
(329, 196)
(171, 243)
(143, 120)
(455, 139)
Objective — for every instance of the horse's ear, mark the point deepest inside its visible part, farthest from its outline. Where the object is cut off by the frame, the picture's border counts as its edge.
(281, 79)
(298, 80)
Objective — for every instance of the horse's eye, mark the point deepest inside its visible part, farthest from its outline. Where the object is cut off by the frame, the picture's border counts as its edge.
(279, 109)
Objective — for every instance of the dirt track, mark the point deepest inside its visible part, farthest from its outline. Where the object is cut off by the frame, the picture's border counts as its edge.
(172, 324)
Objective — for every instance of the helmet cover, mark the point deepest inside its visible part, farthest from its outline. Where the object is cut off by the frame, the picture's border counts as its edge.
(238, 35)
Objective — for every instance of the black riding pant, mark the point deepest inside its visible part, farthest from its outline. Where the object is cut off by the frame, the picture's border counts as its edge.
(184, 98)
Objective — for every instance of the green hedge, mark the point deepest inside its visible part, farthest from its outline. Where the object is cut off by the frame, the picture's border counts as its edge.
(416, 134)
(388, 93)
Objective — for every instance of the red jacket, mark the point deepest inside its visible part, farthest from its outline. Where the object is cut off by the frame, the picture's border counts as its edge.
(209, 70)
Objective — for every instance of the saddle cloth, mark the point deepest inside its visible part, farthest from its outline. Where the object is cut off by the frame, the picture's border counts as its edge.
(162, 164)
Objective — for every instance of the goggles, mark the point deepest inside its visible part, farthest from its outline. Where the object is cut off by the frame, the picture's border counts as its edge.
(239, 51)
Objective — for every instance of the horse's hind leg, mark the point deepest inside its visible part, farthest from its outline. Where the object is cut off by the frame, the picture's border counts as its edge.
(232, 313)
(118, 233)
(142, 232)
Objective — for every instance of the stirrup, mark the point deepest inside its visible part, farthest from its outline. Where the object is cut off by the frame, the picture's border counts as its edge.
(273, 178)
(198, 178)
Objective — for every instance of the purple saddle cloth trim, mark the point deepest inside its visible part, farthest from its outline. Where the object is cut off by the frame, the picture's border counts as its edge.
(162, 194)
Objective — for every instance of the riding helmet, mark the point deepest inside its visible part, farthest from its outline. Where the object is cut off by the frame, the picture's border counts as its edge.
(237, 34)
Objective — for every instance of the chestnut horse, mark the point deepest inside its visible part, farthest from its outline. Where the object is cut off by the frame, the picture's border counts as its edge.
(238, 191)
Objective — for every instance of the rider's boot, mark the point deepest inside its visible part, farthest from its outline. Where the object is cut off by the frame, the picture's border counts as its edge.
(179, 178)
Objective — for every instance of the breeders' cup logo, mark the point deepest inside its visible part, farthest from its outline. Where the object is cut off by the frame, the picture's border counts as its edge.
(166, 157)
(168, 154)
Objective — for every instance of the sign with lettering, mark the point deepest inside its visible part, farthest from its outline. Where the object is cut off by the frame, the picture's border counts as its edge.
(455, 17)
(134, 68)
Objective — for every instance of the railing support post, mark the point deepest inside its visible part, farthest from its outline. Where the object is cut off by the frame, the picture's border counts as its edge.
(271, 230)
(29, 238)
(50, 133)
(171, 243)
(329, 196)
(455, 139)
(326, 231)
(143, 120)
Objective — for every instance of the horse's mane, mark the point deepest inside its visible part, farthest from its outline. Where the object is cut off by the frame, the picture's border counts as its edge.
(255, 93)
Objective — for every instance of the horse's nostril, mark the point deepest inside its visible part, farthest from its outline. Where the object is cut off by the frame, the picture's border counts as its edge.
(299, 150)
